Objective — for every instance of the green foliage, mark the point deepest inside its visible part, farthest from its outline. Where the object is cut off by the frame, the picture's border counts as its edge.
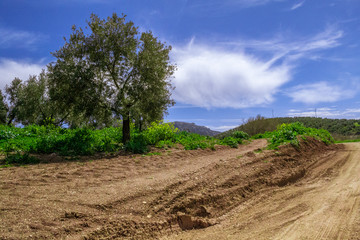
(340, 128)
(231, 141)
(30, 102)
(159, 131)
(137, 144)
(3, 109)
(240, 135)
(192, 141)
(20, 159)
(165, 144)
(85, 141)
(289, 133)
(112, 69)
(51, 139)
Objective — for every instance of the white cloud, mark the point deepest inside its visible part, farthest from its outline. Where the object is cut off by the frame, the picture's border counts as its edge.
(209, 77)
(319, 92)
(10, 69)
(19, 39)
(296, 6)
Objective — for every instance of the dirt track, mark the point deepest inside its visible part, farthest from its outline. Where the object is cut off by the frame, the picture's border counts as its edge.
(244, 193)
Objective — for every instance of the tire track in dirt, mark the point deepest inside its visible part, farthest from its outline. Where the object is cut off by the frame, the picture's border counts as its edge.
(247, 193)
(72, 199)
(333, 205)
(324, 204)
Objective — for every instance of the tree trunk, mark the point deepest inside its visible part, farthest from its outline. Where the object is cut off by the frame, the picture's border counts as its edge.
(126, 128)
(11, 118)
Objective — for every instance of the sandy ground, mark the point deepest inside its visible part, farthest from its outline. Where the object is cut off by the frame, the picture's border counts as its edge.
(247, 193)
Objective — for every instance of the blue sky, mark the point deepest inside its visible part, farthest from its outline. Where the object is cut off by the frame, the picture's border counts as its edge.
(235, 58)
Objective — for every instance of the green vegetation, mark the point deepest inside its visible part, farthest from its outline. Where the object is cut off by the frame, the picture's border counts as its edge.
(291, 132)
(3, 109)
(16, 143)
(51, 139)
(20, 159)
(341, 129)
(108, 72)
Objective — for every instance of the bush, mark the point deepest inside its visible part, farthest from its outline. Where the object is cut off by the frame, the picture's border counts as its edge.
(240, 135)
(288, 133)
(19, 158)
(231, 141)
(137, 144)
(159, 132)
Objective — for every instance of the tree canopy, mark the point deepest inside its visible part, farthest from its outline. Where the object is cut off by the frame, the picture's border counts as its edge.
(111, 70)
(3, 109)
(108, 72)
(30, 102)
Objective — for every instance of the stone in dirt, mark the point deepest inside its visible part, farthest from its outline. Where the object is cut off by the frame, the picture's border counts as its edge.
(186, 222)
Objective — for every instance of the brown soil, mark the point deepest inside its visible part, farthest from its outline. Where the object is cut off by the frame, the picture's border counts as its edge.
(311, 192)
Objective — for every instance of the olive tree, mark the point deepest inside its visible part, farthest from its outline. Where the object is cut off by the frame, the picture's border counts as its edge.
(29, 102)
(112, 71)
(3, 109)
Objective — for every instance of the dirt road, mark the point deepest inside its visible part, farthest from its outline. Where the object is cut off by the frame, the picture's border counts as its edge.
(247, 193)
(325, 204)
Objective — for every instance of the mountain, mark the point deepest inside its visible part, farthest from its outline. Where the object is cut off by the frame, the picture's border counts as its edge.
(193, 128)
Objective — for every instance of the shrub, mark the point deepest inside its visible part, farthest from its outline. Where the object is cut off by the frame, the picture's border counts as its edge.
(19, 158)
(240, 135)
(137, 144)
(159, 131)
(231, 141)
(165, 144)
(288, 133)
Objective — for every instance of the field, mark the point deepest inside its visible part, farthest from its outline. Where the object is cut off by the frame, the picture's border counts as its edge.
(309, 191)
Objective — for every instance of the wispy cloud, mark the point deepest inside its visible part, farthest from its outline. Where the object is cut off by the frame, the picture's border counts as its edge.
(251, 3)
(326, 112)
(10, 69)
(19, 39)
(319, 92)
(291, 49)
(298, 5)
(216, 4)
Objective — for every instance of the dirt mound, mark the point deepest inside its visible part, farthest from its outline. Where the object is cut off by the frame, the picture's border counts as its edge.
(145, 197)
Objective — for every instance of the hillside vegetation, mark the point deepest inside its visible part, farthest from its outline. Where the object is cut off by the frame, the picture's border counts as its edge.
(340, 128)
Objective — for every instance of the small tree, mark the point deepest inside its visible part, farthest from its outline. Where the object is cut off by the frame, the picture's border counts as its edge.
(30, 102)
(114, 71)
(3, 109)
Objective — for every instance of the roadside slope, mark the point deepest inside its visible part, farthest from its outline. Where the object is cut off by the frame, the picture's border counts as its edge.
(325, 204)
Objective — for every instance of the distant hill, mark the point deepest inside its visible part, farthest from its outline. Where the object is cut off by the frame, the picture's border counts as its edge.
(339, 128)
(193, 128)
